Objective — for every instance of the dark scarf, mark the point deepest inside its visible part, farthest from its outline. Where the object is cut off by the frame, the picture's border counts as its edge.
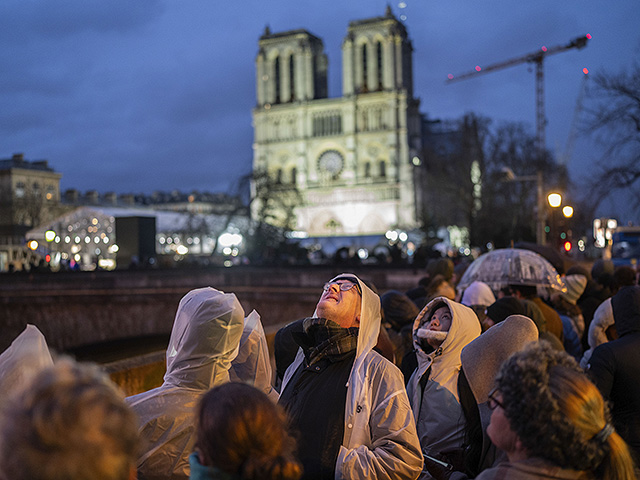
(324, 338)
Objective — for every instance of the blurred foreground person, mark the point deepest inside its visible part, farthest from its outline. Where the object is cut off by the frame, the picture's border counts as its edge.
(27, 355)
(70, 422)
(204, 340)
(243, 435)
(552, 422)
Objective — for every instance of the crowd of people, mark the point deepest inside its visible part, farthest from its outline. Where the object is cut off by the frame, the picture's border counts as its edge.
(435, 382)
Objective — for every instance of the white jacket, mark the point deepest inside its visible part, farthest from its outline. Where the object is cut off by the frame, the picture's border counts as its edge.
(204, 340)
(439, 416)
(380, 440)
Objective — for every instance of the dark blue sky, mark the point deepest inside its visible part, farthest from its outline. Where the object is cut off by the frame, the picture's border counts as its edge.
(144, 95)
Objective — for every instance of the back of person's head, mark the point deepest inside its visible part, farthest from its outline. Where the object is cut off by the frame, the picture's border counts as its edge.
(624, 276)
(440, 266)
(559, 415)
(398, 309)
(69, 423)
(579, 270)
(478, 293)
(504, 307)
(601, 267)
(527, 291)
(241, 432)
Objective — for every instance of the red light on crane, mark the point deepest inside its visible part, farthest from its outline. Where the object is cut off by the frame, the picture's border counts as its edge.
(544, 49)
(478, 68)
(450, 76)
(588, 35)
(585, 71)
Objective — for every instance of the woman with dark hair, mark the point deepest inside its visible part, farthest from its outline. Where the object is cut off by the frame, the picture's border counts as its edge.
(242, 435)
(552, 422)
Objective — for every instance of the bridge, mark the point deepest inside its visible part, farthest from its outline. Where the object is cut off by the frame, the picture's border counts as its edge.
(124, 318)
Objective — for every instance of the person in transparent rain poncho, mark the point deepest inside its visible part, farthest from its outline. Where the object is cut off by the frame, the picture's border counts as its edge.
(204, 341)
(27, 355)
(252, 365)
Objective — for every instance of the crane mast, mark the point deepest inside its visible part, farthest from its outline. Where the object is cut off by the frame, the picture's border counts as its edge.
(537, 58)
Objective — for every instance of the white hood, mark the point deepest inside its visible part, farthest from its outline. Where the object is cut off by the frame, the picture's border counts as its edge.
(252, 365)
(204, 339)
(444, 361)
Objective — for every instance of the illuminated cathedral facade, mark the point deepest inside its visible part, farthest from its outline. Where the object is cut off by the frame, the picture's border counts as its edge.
(354, 160)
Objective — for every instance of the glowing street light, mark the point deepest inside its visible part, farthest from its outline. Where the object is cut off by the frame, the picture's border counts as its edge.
(567, 211)
(49, 235)
(554, 199)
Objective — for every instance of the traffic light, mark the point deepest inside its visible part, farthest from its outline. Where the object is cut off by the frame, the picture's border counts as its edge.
(567, 246)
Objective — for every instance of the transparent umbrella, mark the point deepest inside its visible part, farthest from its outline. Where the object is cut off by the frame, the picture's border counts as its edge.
(512, 266)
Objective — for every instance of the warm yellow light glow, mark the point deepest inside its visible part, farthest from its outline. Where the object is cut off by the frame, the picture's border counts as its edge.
(554, 199)
(49, 235)
(567, 211)
(33, 245)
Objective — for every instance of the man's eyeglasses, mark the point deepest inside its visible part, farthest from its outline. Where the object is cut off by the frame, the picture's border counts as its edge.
(342, 286)
(492, 402)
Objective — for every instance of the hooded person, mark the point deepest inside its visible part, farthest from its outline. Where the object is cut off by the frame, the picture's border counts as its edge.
(347, 402)
(565, 303)
(597, 334)
(615, 367)
(252, 365)
(481, 361)
(27, 355)
(440, 332)
(204, 340)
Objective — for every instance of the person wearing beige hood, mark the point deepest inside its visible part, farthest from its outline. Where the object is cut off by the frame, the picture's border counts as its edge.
(440, 332)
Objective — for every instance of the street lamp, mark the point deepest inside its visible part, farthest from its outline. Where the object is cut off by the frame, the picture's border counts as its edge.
(567, 211)
(540, 214)
(554, 199)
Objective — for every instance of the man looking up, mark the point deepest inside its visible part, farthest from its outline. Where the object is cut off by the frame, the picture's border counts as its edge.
(347, 401)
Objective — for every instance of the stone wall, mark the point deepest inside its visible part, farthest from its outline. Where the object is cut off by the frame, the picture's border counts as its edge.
(77, 309)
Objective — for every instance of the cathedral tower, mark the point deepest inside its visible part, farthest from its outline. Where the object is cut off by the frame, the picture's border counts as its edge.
(350, 157)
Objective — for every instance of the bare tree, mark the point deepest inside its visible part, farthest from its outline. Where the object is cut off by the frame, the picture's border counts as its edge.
(615, 121)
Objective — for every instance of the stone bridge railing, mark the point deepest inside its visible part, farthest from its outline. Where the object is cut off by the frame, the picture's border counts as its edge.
(77, 309)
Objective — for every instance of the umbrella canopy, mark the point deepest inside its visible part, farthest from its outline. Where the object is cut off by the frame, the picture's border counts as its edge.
(556, 259)
(512, 266)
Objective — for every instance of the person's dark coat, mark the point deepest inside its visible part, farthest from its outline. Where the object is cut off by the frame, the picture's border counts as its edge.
(615, 366)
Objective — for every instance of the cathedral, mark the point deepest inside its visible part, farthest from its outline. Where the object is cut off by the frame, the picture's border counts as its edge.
(354, 160)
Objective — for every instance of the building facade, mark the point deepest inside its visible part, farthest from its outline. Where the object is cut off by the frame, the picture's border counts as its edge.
(29, 194)
(353, 159)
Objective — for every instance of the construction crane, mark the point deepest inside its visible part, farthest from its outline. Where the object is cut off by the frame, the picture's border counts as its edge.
(565, 158)
(537, 58)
